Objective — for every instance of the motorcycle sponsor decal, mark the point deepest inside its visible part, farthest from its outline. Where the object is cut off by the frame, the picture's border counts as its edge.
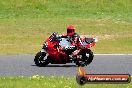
(83, 78)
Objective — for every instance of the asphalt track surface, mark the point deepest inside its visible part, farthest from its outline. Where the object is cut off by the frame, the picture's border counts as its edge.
(23, 65)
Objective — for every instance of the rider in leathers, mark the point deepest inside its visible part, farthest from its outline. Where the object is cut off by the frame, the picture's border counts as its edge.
(74, 39)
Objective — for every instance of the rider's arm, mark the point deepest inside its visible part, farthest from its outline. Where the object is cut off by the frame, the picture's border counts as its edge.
(78, 41)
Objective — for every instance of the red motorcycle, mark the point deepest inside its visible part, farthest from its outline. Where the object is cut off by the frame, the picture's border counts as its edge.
(58, 50)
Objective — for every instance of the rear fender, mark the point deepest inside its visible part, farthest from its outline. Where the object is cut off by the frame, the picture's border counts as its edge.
(89, 42)
(90, 45)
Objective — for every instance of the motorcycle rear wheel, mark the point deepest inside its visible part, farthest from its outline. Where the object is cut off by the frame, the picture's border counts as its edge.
(39, 59)
(85, 60)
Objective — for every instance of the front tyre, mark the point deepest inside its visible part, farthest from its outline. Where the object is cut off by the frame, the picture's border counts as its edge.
(39, 59)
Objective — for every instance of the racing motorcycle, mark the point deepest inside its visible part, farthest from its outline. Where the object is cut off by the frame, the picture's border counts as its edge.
(58, 50)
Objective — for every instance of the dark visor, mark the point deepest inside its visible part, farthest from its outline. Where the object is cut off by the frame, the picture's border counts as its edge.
(70, 31)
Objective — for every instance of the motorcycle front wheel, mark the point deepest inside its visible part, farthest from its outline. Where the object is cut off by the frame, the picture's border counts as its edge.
(39, 59)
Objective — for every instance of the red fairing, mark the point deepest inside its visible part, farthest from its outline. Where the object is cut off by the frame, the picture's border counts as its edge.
(55, 52)
(90, 45)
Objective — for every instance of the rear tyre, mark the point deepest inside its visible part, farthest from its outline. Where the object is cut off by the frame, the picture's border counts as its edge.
(39, 59)
(86, 59)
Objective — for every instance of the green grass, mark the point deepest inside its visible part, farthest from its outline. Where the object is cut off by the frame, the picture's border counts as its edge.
(24, 23)
(67, 8)
(18, 34)
(51, 82)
